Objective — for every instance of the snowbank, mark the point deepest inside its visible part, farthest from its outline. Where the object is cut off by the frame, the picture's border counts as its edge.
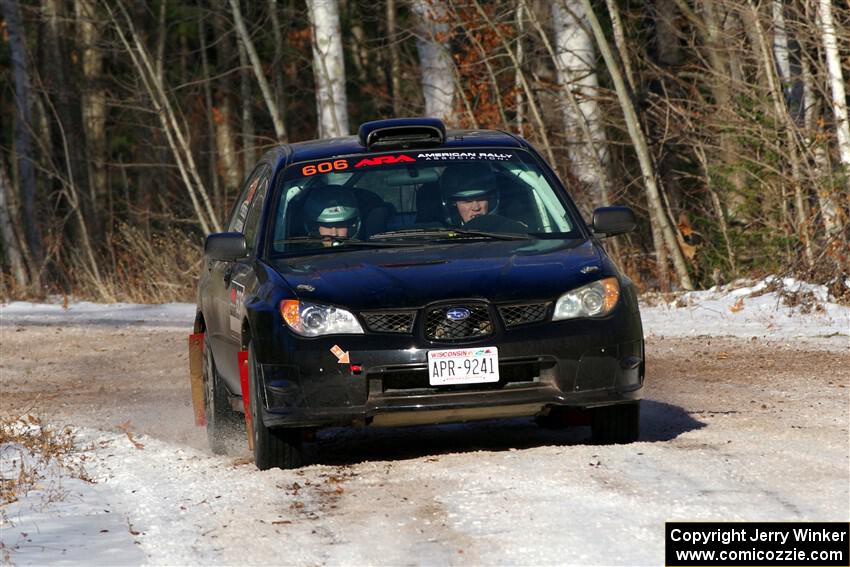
(50, 511)
(167, 315)
(773, 308)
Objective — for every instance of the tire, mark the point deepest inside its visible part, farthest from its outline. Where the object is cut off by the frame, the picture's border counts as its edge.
(222, 421)
(617, 424)
(273, 448)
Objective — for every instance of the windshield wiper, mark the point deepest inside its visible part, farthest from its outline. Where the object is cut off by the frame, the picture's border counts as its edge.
(446, 233)
(337, 242)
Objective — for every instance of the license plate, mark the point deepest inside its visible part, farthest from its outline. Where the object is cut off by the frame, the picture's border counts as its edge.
(463, 366)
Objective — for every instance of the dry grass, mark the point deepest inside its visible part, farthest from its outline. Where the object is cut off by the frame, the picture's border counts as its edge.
(159, 269)
(29, 447)
(136, 268)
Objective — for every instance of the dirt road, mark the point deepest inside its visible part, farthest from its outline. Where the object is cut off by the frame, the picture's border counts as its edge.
(732, 429)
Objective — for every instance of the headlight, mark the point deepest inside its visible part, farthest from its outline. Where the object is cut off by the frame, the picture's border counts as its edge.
(595, 299)
(312, 320)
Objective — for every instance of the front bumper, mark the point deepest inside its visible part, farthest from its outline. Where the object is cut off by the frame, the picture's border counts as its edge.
(581, 363)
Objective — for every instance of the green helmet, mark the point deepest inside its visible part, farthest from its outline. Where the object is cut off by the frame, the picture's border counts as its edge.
(331, 205)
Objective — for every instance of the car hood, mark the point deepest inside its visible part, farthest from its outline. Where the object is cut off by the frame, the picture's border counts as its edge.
(502, 271)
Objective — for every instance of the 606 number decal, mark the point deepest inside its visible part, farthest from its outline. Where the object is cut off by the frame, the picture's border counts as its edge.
(324, 167)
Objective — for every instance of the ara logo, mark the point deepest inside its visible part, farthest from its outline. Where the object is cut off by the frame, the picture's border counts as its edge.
(457, 314)
(384, 160)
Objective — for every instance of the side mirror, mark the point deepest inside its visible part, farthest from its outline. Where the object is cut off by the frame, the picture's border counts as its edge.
(225, 246)
(610, 221)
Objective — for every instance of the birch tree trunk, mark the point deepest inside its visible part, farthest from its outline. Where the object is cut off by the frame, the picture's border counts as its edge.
(836, 83)
(578, 83)
(436, 66)
(780, 45)
(23, 133)
(257, 66)
(811, 117)
(328, 68)
(600, 168)
(642, 149)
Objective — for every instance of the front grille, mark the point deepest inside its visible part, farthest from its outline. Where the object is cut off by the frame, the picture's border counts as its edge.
(438, 327)
(516, 315)
(389, 321)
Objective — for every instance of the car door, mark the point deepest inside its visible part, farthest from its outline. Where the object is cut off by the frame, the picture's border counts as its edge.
(226, 285)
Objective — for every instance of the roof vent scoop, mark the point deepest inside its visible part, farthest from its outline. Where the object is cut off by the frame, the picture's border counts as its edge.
(402, 133)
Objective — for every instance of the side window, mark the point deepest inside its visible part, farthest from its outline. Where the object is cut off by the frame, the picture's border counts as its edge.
(254, 217)
(240, 211)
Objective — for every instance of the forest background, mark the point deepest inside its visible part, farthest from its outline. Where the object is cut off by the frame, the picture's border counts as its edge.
(127, 126)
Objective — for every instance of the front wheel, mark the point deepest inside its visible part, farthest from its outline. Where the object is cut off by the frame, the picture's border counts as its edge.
(616, 424)
(273, 448)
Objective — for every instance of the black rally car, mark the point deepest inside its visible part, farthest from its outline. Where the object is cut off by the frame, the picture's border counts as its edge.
(412, 275)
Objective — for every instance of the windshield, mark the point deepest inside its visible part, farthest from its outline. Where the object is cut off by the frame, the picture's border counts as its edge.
(421, 196)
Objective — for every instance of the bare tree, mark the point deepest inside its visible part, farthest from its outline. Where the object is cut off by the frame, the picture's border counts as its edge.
(782, 117)
(328, 68)
(257, 66)
(436, 67)
(575, 62)
(249, 142)
(93, 100)
(277, 61)
(780, 45)
(642, 149)
(836, 83)
(8, 238)
(218, 198)
(395, 61)
(23, 133)
(175, 135)
(526, 86)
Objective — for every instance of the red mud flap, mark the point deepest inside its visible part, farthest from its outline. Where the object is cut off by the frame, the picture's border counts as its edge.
(246, 396)
(196, 377)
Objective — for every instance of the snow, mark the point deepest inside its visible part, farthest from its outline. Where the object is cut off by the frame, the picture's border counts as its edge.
(163, 503)
(738, 310)
(749, 311)
(168, 315)
(64, 520)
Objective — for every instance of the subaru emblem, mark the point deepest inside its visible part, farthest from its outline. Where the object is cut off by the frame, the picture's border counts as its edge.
(457, 314)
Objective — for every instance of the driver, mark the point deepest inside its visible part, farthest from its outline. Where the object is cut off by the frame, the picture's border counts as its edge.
(331, 213)
(468, 191)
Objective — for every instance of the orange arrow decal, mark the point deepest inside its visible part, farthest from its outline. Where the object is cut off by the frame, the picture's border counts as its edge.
(341, 355)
